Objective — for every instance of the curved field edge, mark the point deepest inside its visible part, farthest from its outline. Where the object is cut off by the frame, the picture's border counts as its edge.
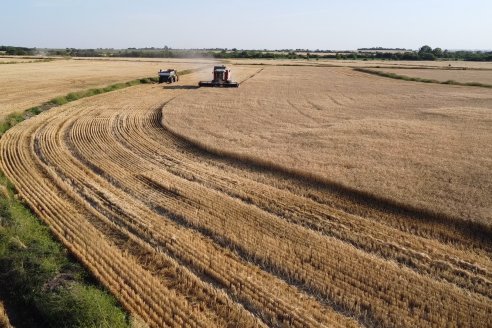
(47, 285)
(480, 231)
(15, 118)
(418, 79)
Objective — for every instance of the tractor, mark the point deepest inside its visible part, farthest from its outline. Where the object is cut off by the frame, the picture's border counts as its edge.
(168, 76)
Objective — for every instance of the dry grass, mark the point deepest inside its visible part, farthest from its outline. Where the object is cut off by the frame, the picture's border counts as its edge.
(4, 60)
(183, 237)
(28, 85)
(423, 145)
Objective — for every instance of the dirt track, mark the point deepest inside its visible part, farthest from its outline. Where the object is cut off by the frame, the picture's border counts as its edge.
(181, 236)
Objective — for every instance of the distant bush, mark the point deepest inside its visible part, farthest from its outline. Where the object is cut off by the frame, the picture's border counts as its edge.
(18, 51)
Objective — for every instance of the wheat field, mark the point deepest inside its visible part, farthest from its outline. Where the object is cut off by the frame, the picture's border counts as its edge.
(426, 146)
(4, 60)
(184, 237)
(464, 76)
(414, 64)
(25, 85)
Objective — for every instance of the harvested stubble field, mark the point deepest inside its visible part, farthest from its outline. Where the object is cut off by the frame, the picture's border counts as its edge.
(4, 60)
(338, 125)
(184, 237)
(449, 64)
(171, 61)
(369, 63)
(26, 85)
(463, 76)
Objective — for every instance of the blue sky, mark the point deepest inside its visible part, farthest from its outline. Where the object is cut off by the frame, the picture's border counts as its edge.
(247, 24)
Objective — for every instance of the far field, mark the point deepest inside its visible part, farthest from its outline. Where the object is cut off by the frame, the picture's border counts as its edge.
(309, 197)
(4, 60)
(426, 146)
(368, 63)
(30, 84)
(464, 76)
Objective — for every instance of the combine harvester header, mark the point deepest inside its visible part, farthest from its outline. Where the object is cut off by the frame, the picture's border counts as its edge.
(222, 79)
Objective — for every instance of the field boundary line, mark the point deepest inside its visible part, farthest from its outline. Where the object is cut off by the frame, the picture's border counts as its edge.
(418, 79)
(251, 76)
(328, 65)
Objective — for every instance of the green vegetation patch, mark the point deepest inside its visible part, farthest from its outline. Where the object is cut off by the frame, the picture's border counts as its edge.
(46, 288)
(72, 96)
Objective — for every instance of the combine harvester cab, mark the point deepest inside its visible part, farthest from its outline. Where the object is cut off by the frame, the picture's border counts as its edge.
(168, 76)
(222, 79)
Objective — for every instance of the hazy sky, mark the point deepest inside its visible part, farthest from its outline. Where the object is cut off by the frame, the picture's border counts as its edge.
(248, 24)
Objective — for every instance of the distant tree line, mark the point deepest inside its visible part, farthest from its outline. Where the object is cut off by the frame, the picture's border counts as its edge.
(424, 53)
(18, 51)
(257, 54)
(382, 49)
(171, 53)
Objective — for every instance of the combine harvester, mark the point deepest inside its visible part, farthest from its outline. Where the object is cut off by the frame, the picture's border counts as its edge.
(222, 79)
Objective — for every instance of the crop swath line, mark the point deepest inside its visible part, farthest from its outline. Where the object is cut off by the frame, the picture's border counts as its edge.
(361, 233)
(150, 146)
(104, 209)
(94, 131)
(252, 76)
(176, 317)
(112, 183)
(155, 234)
(150, 155)
(430, 224)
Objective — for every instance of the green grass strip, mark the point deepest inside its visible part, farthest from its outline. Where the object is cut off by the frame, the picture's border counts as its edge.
(42, 285)
(418, 79)
(16, 118)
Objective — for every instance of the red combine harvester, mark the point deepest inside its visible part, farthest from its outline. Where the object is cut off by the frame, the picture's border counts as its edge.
(222, 79)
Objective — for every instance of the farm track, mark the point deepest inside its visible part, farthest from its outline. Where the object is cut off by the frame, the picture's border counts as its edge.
(186, 238)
